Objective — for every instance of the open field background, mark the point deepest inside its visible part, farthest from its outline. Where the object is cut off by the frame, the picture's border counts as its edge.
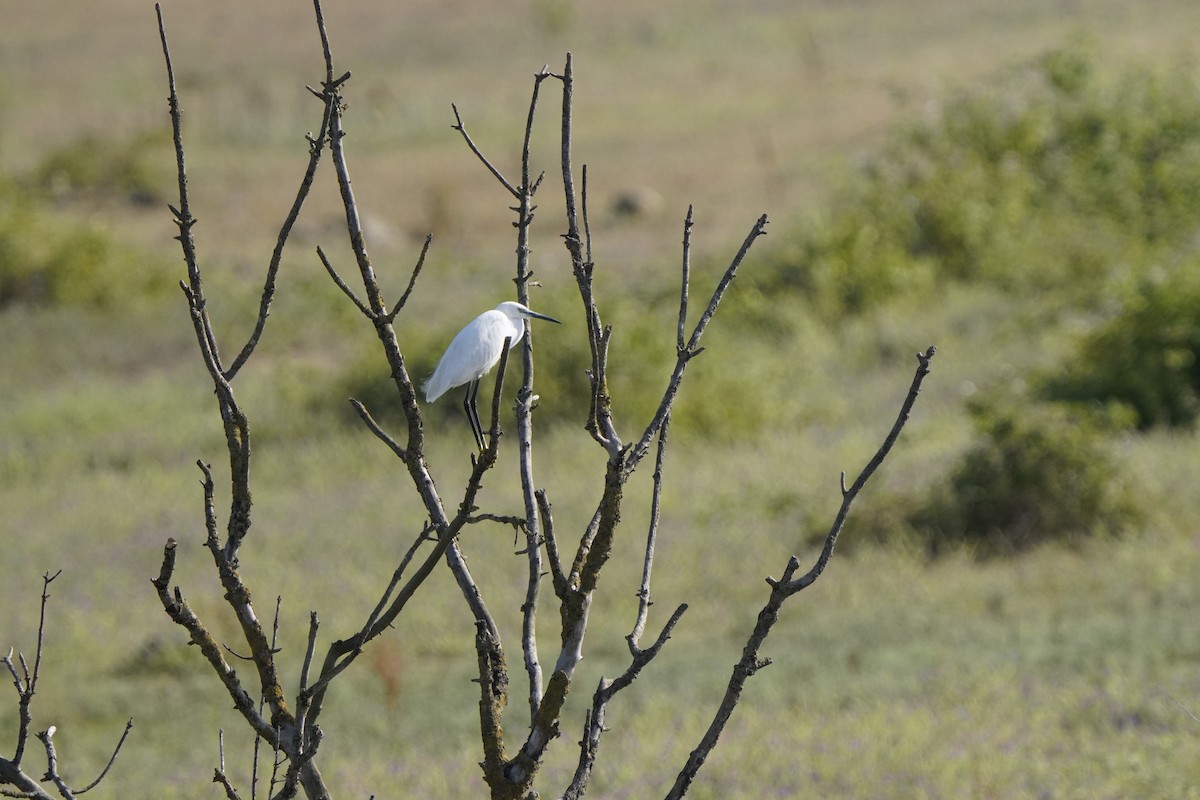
(1067, 672)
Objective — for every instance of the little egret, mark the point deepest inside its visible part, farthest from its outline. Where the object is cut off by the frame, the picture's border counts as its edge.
(474, 351)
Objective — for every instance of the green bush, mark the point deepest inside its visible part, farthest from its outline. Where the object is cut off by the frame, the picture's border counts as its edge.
(48, 258)
(1146, 361)
(1035, 473)
(134, 169)
(1055, 176)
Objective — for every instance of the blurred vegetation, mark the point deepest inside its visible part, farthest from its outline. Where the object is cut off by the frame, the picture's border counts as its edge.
(1145, 362)
(51, 255)
(135, 168)
(1035, 473)
(1058, 177)
(1070, 188)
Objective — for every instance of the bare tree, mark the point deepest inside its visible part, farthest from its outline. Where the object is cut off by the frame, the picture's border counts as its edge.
(288, 724)
(25, 679)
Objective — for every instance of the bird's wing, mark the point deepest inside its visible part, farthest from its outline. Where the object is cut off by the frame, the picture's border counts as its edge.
(471, 354)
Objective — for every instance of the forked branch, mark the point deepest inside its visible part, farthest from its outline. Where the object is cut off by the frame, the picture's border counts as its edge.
(25, 680)
(593, 726)
(689, 350)
(237, 436)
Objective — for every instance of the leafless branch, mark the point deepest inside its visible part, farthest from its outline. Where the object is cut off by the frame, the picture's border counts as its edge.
(504, 519)
(47, 739)
(587, 227)
(316, 148)
(680, 347)
(558, 579)
(258, 740)
(501, 368)
(341, 284)
(692, 348)
(179, 611)
(412, 282)
(524, 415)
(183, 215)
(461, 128)
(787, 586)
(643, 594)
(593, 726)
(11, 775)
(219, 775)
(25, 680)
(606, 690)
(599, 423)
(111, 760)
(848, 496)
(378, 430)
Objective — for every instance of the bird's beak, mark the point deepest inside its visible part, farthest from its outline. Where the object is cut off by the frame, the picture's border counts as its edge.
(533, 313)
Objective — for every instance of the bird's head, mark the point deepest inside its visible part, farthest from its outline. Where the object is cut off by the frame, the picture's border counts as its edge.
(516, 311)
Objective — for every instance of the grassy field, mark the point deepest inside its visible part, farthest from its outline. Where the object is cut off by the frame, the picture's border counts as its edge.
(1069, 672)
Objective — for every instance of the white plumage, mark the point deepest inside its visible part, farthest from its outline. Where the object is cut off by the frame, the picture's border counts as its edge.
(474, 351)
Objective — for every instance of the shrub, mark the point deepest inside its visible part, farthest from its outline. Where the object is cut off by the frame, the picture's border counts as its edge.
(1035, 473)
(1146, 361)
(132, 169)
(48, 258)
(1051, 177)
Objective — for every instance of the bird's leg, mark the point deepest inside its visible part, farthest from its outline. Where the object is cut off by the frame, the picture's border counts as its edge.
(473, 413)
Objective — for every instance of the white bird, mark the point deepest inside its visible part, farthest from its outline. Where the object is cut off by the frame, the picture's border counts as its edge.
(474, 351)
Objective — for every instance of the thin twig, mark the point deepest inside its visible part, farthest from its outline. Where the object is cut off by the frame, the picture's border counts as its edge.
(683, 289)
(643, 594)
(458, 126)
(587, 226)
(412, 281)
(594, 719)
(316, 148)
(348, 650)
(301, 739)
(692, 347)
(504, 519)
(341, 284)
(258, 740)
(184, 219)
(221, 778)
(112, 759)
(599, 422)
(378, 430)
(557, 578)
(219, 775)
(785, 587)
